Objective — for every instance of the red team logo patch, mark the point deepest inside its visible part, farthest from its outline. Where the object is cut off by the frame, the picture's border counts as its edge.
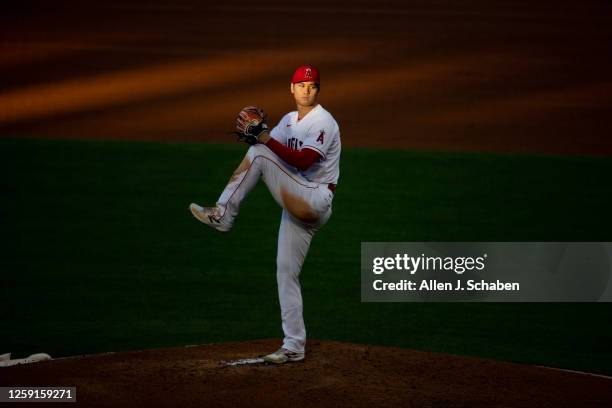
(321, 137)
(308, 73)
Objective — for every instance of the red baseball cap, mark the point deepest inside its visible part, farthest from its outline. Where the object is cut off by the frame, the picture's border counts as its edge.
(306, 73)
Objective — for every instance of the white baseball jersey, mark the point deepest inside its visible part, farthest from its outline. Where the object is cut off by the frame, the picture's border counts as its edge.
(318, 131)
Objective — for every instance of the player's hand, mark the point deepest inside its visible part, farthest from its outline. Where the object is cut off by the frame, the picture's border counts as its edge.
(264, 137)
(251, 124)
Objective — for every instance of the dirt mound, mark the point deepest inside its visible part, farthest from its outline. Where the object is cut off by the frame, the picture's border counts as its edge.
(333, 374)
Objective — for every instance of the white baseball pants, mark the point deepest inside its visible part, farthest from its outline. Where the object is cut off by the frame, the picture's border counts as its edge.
(306, 208)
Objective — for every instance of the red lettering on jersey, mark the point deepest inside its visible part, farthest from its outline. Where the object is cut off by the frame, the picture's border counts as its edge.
(320, 138)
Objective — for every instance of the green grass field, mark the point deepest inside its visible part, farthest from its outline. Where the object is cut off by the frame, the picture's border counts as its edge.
(100, 252)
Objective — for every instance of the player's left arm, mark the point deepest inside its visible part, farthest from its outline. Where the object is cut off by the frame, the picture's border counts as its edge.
(319, 137)
(301, 159)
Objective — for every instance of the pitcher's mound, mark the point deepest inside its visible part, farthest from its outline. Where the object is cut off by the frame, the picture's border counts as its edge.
(333, 375)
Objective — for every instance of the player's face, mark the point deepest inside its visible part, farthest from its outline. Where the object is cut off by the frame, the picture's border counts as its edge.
(305, 93)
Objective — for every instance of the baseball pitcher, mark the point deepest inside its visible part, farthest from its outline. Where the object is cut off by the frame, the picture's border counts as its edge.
(298, 160)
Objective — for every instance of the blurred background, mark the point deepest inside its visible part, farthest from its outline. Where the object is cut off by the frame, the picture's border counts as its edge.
(474, 75)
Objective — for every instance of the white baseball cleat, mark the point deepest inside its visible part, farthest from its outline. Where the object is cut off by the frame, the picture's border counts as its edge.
(210, 216)
(5, 357)
(282, 355)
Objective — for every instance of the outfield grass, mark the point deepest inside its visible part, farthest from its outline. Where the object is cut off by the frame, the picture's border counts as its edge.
(101, 254)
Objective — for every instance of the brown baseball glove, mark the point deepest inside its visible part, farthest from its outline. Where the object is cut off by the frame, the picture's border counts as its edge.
(250, 124)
